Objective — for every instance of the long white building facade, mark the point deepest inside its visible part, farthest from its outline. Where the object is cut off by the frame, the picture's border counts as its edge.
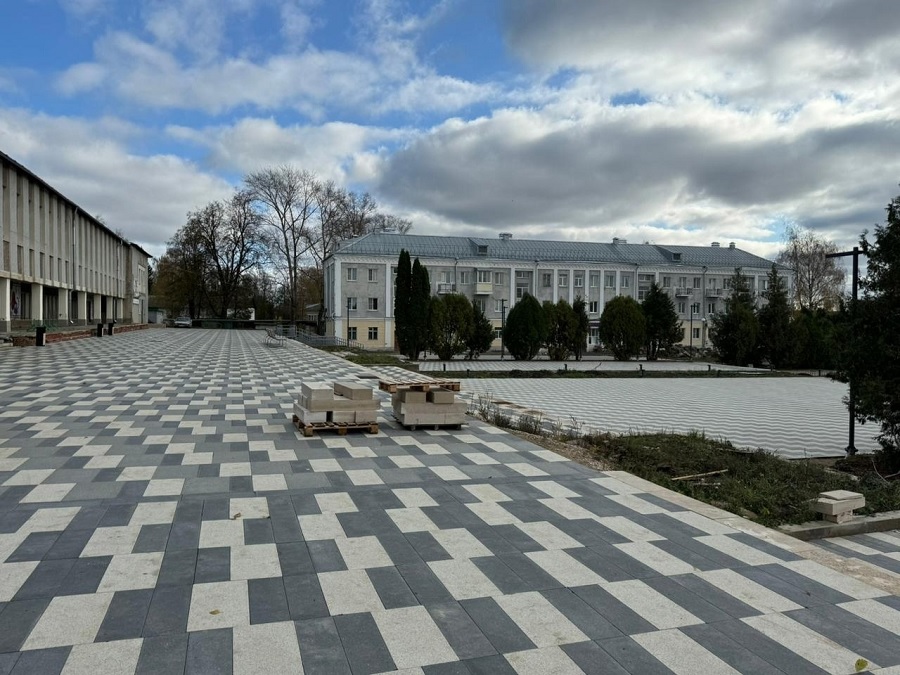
(496, 273)
(58, 263)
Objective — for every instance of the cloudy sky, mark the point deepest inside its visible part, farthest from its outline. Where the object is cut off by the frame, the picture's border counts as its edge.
(653, 120)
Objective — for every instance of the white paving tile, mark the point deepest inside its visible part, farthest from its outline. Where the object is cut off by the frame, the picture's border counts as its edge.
(266, 649)
(257, 561)
(756, 595)
(544, 625)
(526, 469)
(493, 513)
(700, 522)
(349, 592)
(546, 661)
(153, 513)
(364, 477)
(564, 568)
(841, 583)
(214, 533)
(335, 502)
(131, 572)
(248, 507)
(628, 528)
(815, 648)
(875, 612)
(682, 655)
(414, 497)
(221, 604)
(269, 483)
(553, 489)
(411, 519)
(324, 465)
(164, 487)
(651, 604)
(12, 576)
(548, 535)
(104, 658)
(448, 473)
(636, 504)
(397, 626)
(111, 541)
(460, 543)
(655, 558)
(69, 620)
(738, 550)
(463, 579)
(486, 493)
(362, 552)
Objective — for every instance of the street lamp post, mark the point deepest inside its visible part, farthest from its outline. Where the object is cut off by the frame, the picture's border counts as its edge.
(851, 399)
(502, 324)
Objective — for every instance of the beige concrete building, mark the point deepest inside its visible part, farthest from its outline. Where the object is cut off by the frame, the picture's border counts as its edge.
(495, 273)
(58, 263)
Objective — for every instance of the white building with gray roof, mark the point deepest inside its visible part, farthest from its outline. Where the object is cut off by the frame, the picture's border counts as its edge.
(495, 273)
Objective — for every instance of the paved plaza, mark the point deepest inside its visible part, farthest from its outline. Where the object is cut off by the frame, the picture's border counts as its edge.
(590, 364)
(160, 514)
(795, 417)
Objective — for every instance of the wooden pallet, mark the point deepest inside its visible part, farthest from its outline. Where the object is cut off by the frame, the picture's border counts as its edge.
(392, 387)
(340, 427)
(413, 427)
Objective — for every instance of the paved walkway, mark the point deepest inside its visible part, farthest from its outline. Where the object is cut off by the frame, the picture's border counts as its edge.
(159, 514)
(793, 416)
(878, 548)
(604, 365)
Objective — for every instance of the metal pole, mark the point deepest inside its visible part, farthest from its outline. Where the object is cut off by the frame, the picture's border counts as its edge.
(851, 402)
(692, 334)
(348, 322)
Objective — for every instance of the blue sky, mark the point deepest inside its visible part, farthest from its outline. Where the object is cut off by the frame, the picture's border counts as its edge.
(673, 122)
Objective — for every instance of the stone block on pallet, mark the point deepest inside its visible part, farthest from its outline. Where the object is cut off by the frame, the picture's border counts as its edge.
(342, 417)
(340, 403)
(430, 409)
(366, 416)
(353, 390)
(409, 396)
(441, 396)
(423, 419)
(307, 416)
(317, 391)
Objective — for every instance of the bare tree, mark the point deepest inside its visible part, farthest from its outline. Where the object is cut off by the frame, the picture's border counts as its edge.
(286, 198)
(229, 234)
(818, 281)
(386, 222)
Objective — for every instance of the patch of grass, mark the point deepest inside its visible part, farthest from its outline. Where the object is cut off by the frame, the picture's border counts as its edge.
(601, 374)
(756, 485)
(377, 359)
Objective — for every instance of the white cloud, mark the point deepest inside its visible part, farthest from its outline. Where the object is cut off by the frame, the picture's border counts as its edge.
(85, 9)
(88, 161)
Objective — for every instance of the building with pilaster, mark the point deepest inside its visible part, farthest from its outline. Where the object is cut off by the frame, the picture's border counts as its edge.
(59, 264)
(495, 273)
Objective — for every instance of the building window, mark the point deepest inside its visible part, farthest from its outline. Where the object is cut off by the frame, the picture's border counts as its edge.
(465, 277)
(626, 282)
(521, 291)
(445, 277)
(373, 304)
(563, 280)
(763, 284)
(695, 308)
(373, 333)
(696, 333)
(681, 307)
(547, 280)
(498, 333)
(499, 278)
(498, 305)
(351, 333)
(595, 280)
(480, 304)
(726, 283)
(351, 304)
(351, 274)
(711, 308)
(642, 293)
(579, 281)
(373, 274)
(593, 306)
(394, 270)
(484, 276)
(610, 280)
(667, 282)
(711, 282)
(697, 282)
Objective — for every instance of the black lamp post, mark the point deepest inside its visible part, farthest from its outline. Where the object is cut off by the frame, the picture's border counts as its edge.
(851, 402)
(348, 321)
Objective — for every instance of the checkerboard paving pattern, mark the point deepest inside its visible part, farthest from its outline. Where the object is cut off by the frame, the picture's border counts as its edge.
(160, 514)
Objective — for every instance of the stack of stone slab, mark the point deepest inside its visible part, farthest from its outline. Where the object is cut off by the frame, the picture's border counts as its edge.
(415, 406)
(837, 506)
(340, 403)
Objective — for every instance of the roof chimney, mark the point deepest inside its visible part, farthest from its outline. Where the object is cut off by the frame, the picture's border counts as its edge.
(506, 236)
(715, 244)
(616, 240)
(731, 244)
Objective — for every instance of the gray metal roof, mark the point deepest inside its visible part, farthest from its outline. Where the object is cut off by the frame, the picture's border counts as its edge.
(535, 250)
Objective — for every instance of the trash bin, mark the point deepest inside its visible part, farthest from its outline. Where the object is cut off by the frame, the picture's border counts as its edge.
(111, 324)
(99, 330)
(39, 336)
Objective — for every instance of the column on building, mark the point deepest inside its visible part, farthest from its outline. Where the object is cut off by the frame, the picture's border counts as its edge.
(97, 307)
(618, 282)
(37, 302)
(338, 301)
(512, 286)
(555, 285)
(389, 306)
(5, 317)
(82, 307)
(571, 285)
(63, 304)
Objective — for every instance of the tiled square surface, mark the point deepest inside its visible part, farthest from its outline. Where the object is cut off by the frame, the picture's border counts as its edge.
(159, 513)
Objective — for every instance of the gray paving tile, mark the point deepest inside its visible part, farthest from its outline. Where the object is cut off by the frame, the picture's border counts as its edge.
(209, 651)
(164, 654)
(321, 650)
(42, 661)
(304, 597)
(593, 659)
(461, 631)
(851, 632)
(168, 611)
(16, 621)
(501, 631)
(125, 617)
(632, 657)
(614, 611)
(177, 568)
(268, 602)
(490, 665)
(576, 610)
(391, 588)
(294, 558)
(424, 584)
(363, 645)
(769, 650)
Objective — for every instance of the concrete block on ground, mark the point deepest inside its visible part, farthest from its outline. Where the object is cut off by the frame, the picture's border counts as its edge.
(342, 416)
(353, 390)
(430, 419)
(837, 506)
(408, 396)
(317, 391)
(342, 404)
(441, 396)
(366, 416)
(430, 409)
(306, 416)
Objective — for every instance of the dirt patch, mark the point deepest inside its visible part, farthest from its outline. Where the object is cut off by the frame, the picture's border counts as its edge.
(570, 450)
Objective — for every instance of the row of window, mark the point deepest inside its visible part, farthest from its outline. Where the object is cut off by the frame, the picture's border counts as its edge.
(353, 274)
(353, 305)
(352, 333)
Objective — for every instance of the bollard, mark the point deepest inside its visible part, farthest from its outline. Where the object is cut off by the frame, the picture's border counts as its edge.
(445, 367)
(110, 327)
(99, 330)
(39, 336)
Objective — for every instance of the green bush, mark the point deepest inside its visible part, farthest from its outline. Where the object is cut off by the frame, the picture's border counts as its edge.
(526, 329)
(623, 328)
